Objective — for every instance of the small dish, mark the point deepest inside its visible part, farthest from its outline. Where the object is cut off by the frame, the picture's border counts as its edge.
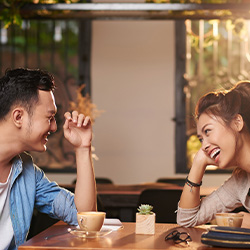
(91, 234)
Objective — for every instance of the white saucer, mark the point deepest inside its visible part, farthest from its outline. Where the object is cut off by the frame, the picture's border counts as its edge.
(91, 234)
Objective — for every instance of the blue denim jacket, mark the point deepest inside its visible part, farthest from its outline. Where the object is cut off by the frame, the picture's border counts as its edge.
(30, 188)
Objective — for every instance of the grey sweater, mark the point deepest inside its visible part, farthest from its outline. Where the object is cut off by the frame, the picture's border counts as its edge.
(232, 194)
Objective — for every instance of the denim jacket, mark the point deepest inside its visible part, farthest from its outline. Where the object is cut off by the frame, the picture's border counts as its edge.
(30, 188)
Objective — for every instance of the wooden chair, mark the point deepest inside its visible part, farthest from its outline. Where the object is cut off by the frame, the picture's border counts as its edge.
(103, 180)
(100, 180)
(164, 202)
(177, 181)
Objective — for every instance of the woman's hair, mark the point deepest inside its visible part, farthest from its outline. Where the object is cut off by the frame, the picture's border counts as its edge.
(227, 104)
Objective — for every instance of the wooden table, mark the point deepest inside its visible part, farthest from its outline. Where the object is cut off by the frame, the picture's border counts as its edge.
(135, 189)
(105, 189)
(121, 201)
(121, 239)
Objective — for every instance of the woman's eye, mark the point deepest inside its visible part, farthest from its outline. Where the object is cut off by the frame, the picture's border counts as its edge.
(206, 131)
(201, 140)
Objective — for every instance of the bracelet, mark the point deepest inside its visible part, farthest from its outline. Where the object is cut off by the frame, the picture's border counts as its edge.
(192, 184)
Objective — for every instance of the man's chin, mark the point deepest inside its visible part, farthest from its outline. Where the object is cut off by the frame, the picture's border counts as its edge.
(41, 149)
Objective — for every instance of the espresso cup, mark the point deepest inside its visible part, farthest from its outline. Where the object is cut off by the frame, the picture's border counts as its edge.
(229, 219)
(90, 221)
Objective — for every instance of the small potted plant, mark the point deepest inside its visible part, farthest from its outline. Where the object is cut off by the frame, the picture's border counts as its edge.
(145, 220)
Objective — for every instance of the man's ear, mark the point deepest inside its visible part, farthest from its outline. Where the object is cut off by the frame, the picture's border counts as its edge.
(17, 116)
(239, 123)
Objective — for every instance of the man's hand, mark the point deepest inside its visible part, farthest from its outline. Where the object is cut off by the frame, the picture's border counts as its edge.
(78, 129)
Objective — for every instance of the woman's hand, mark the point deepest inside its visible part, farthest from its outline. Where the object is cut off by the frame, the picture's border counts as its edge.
(190, 197)
(246, 220)
(202, 160)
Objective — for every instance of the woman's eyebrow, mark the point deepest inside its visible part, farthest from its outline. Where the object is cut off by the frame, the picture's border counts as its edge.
(203, 128)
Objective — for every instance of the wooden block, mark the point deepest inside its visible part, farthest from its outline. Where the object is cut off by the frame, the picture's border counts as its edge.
(145, 224)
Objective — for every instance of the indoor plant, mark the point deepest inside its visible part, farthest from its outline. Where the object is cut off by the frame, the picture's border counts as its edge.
(145, 220)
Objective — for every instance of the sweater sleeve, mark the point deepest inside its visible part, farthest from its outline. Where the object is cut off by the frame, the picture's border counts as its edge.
(225, 199)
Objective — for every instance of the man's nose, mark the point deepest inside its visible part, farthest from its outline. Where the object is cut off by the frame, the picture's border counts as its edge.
(53, 126)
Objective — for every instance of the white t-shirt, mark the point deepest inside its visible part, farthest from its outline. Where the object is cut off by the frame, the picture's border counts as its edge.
(6, 230)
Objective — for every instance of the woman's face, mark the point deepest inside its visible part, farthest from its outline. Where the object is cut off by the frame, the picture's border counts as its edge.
(218, 140)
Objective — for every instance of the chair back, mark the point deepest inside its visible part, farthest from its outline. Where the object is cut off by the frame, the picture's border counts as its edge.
(100, 180)
(103, 180)
(177, 181)
(164, 202)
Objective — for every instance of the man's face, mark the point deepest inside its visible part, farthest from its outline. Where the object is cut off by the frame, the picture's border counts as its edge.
(40, 123)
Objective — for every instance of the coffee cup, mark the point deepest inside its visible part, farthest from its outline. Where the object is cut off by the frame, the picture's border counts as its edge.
(90, 221)
(229, 219)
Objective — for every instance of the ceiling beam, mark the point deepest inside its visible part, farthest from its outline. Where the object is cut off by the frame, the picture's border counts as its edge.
(135, 11)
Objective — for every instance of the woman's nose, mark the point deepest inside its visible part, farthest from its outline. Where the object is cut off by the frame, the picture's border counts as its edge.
(205, 146)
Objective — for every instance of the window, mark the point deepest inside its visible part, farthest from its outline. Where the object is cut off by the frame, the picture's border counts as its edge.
(210, 55)
(52, 45)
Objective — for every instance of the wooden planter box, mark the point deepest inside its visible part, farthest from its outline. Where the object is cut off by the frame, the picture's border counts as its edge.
(145, 224)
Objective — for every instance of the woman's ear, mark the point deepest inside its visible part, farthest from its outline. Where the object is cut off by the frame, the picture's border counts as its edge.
(17, 116)
(238, 122)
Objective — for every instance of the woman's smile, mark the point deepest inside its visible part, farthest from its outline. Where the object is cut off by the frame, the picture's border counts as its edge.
(215, 154)
(217, 137)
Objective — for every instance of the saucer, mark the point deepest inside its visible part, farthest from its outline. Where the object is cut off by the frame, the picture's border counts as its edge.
(91, 234)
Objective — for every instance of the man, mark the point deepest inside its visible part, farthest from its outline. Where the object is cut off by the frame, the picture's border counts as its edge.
(27, 117)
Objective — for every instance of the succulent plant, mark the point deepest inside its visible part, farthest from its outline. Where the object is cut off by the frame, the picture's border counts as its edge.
(145, 209)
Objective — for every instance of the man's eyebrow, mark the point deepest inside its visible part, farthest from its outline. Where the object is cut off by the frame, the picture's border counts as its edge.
(53, 112)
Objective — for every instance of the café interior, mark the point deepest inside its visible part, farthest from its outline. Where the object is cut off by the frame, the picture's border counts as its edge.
(138, 73)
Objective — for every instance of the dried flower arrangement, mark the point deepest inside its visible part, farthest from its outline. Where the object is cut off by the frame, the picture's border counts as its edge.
(84, 105)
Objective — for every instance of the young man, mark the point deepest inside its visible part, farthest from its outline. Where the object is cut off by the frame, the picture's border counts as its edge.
(27, 117)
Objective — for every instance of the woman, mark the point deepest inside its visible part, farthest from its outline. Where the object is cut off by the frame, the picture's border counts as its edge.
(223, 128)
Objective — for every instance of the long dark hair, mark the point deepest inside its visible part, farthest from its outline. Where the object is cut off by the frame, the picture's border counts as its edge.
(227, 104)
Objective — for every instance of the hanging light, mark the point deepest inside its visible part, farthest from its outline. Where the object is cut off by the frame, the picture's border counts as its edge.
(58, 33)
(4, 35)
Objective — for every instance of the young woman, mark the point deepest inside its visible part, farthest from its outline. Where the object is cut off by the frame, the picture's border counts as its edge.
(223, 128)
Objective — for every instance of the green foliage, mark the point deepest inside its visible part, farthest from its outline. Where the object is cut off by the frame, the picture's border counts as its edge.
(10, 11)
(145, 209)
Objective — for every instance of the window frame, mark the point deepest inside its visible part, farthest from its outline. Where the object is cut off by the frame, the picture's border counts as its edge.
(180, 97)
(180, 103)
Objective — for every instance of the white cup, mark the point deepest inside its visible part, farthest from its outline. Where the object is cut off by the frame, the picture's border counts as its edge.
(229, 219)
(90, 221)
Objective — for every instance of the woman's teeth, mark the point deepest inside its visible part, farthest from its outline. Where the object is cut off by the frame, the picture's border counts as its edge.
(215, 153)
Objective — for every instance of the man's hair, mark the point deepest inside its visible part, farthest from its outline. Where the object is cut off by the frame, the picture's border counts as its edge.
(20, 87)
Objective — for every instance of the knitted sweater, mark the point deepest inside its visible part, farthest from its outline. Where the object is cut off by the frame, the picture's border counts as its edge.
(232, 194)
